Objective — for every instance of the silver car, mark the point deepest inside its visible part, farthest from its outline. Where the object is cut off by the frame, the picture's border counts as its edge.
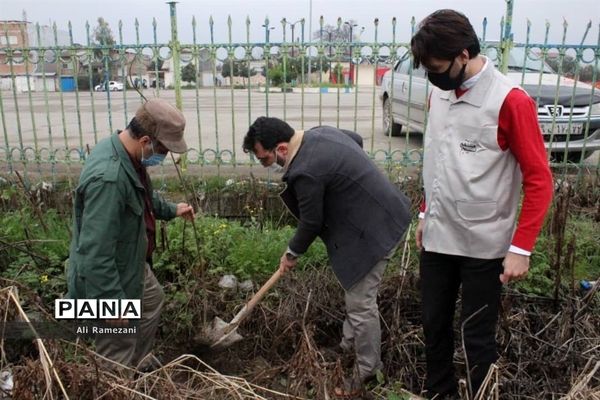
(569, 116)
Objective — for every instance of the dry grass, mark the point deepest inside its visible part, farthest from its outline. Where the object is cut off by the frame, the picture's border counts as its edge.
(549, 349)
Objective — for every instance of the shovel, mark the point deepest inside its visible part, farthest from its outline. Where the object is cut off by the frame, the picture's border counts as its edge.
(221, 334)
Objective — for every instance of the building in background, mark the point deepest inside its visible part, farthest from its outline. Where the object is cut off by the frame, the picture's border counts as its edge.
(30, 73)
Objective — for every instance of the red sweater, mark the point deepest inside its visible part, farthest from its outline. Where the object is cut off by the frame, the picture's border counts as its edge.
(520, 133)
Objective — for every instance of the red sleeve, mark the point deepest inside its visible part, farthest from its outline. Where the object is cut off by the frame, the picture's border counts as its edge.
(519, 131)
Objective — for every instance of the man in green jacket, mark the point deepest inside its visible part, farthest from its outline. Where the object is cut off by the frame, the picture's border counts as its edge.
(115, 210)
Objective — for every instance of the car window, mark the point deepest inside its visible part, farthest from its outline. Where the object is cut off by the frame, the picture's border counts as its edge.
(404, 67)
(518, 61)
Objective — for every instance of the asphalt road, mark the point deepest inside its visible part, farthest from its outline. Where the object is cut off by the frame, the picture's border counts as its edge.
(216, 119)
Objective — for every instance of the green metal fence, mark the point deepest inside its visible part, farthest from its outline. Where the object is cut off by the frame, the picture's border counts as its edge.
(329, 79)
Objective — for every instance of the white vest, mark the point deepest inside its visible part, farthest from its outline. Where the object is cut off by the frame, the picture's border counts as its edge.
(472, 186)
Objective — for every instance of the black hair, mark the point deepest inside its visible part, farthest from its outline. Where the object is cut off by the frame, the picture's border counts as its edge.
(136, 129)
(443, 34)
(268, 132)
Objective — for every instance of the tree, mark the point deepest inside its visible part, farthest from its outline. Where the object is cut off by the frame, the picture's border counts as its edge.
(103, 37)
(103, 34)
(338, 38)
(228, 71)
(569, 64)
(188, 73)
(586, 74)
(569, 67)
(293, 70)
(240, 68)
(331, 33)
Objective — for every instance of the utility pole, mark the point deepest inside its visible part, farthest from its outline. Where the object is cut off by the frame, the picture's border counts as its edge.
(329, 33)
(293, 25)
(351, 26)
(309, 35)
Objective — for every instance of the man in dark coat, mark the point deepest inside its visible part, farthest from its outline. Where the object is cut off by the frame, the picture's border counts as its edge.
(337, 193)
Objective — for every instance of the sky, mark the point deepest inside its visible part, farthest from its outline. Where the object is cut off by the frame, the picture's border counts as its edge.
(577, 13)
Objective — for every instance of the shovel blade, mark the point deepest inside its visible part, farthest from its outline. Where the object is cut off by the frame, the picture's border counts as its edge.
(218, 334)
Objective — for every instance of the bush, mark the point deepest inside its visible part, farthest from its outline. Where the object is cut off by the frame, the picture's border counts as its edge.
(34, 255)
(230, 247)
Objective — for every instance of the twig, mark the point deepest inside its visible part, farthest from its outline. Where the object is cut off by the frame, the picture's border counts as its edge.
(44, 356)
(34, 206)
(189, 200)
(26, 251)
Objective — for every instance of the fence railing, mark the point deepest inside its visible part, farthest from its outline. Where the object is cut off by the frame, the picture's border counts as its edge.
(57, 99)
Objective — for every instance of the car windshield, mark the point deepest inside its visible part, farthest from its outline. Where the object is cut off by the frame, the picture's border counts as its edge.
(518, 60)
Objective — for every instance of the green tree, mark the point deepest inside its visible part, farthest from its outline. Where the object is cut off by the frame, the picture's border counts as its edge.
(293, 70)
(586, 74)
(240, 68)
(567, 64)
(103, 34)
(228, 72)
(188, 73)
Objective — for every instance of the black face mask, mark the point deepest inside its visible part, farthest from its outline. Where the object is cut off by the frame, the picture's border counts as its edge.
(443, 80)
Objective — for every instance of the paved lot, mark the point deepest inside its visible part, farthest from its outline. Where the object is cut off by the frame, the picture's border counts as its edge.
(216, 119)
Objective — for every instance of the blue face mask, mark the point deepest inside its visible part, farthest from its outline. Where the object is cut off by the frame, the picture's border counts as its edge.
(154, 159)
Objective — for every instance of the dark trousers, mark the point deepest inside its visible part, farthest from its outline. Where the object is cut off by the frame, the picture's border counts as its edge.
(441, 277)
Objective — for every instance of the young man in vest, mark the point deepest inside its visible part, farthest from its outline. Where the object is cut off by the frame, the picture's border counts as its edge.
(482, 146)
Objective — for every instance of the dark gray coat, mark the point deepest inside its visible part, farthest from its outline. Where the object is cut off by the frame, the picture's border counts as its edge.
(339, 194)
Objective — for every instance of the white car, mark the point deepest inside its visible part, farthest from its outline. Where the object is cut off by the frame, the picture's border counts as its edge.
(113, 86)
(569, 118)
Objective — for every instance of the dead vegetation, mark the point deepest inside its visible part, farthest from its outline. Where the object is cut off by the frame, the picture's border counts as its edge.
(549, 346)
(544, 354)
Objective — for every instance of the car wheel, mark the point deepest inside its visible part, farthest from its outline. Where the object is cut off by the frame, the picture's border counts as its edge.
(388, 120)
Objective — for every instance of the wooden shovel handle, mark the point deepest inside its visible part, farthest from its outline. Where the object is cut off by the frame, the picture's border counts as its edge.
(247, 309)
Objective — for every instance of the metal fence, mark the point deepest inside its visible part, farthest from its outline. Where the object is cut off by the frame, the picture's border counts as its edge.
(56, 102)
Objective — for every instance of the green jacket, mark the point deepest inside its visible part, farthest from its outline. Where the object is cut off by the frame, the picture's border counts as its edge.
(108, 250)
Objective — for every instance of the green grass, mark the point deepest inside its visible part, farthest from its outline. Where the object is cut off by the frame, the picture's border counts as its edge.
(33, 253)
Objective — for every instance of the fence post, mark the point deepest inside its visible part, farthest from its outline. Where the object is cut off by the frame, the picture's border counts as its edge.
(507, 38)
(175, 53)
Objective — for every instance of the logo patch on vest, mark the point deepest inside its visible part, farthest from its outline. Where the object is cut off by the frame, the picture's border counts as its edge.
(468, 146)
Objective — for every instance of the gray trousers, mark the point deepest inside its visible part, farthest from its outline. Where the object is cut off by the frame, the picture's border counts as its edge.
(131, 350)
(361, 327)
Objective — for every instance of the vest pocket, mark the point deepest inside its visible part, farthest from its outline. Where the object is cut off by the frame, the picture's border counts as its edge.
(476, 210)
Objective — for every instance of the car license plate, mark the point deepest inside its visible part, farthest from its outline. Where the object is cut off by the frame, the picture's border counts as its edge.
(561, 128)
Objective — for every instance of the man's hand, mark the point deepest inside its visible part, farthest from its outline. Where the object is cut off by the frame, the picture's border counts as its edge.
(185, 211)
(419, 234)
(515, 267)
(286, 263)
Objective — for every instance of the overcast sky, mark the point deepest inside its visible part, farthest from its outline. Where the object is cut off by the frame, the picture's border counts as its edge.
(577, 13)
